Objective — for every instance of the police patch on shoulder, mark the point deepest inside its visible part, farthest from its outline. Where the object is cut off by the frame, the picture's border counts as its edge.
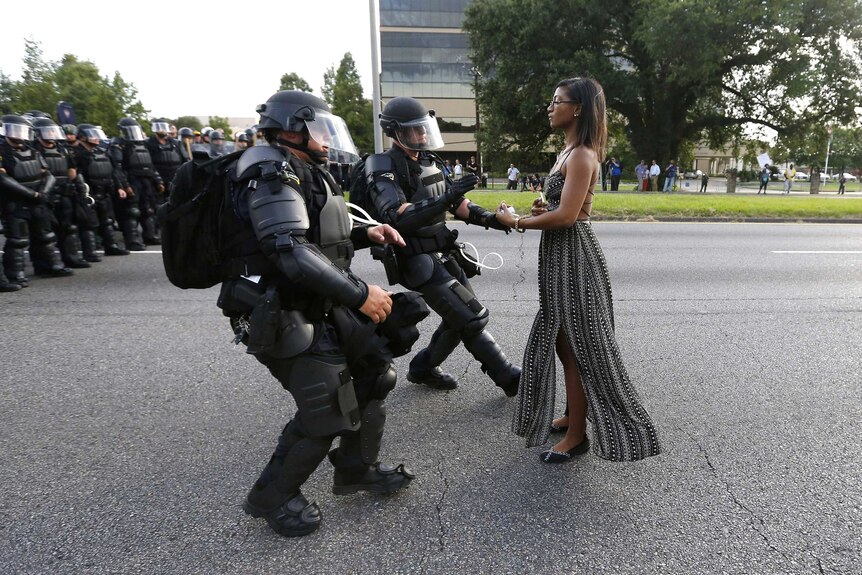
(290, 178)
(389, 175)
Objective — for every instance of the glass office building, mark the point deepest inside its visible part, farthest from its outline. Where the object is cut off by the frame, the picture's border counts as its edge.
(425, 55)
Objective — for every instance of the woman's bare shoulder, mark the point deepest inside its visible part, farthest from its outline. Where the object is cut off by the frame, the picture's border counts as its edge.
(582, 158)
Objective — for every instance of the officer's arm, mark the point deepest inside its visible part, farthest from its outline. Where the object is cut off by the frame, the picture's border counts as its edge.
(15, 191)
(389, 199)
(115, 152)
(477, 215)
(280, 220)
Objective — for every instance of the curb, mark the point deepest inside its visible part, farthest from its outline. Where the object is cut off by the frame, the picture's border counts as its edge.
(728, 219)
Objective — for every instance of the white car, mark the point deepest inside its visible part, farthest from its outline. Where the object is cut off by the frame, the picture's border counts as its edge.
(802, 177)
(850, 177)
(824, 177)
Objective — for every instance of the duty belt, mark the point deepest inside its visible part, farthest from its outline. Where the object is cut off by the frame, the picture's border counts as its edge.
(442, 241)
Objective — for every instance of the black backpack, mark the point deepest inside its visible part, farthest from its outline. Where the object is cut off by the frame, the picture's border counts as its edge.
(191, 222)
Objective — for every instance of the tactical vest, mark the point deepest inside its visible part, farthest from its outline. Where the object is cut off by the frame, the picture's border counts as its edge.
(137, 160)
(432, 184)
(100, 171)
(58, 164)
(166, 158)
(328, 213)
(27, 168)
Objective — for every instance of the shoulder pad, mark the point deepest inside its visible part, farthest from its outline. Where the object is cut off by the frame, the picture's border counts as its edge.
(379, 163)
(257, 155)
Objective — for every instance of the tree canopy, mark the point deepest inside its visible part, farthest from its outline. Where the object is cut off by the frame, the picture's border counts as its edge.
(292, 81)
(342, 90)
(677, 72)
(95, 98)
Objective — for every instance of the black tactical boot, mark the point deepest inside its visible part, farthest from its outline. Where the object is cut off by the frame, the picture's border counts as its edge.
(293, 518)
(378, 478)
(115, 250)
(435, 377)
(88, 246)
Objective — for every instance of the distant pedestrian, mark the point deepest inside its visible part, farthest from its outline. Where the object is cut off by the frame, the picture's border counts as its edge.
(457, 171)
(512, 176)
(841, 182)
(765, 174)
(472, 166)
(654, 171)
(669, 176)
(616, 172)
(789, 175)
(447, 169)
(642, 172)
(704, 179)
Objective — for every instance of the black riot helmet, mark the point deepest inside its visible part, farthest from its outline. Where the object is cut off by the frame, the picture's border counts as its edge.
(406, 121)
(130, 130)
(91, 134)
(186, 133)
(160, 126)
(47, 130)
(301, 112)
(18, 129)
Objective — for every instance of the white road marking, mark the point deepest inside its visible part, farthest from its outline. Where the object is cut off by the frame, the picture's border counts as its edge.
(816, 252)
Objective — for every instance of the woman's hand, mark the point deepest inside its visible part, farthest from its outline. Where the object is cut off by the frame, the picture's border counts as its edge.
(504, 216)
(539, 207)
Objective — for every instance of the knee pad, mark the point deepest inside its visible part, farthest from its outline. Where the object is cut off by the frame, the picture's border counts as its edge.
(384, 383)
(71, 229)
(457, 306)
(417, 270)
(324, 394)
(134, 212)
(18, 243)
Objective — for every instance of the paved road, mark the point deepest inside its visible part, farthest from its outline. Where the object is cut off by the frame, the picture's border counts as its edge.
(131, 428)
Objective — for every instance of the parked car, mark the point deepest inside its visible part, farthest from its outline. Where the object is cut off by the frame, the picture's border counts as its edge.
(850, 177)
(802, 177)
(824, 177)
(689, 175)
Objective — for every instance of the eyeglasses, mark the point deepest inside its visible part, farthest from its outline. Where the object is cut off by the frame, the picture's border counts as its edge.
(554, 102)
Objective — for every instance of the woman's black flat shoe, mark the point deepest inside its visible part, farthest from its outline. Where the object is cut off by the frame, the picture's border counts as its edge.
(553, 456)
(559, 428)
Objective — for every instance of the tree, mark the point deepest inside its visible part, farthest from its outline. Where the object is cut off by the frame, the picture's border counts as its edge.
(188, 122)
(342, 89)
(96, 99)
(678, 72)
(292, 81)
(220, 123)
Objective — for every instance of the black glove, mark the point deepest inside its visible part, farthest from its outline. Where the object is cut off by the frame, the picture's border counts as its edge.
(460, 187)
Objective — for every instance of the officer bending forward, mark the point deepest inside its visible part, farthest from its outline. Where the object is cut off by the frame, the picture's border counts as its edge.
(326, 335)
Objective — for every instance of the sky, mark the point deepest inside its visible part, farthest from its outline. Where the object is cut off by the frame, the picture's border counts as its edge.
(193, 59)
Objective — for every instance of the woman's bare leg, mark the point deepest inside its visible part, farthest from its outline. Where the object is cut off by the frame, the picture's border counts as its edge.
(577, 401)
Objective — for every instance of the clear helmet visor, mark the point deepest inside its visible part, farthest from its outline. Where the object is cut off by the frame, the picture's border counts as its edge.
(19, 132)
(330, 131)
(48, 133)
(420, 134)
(160, 127)
(94, 135)
(133, 133)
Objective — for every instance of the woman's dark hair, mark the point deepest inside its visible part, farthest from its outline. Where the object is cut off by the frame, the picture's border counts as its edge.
(592, 127)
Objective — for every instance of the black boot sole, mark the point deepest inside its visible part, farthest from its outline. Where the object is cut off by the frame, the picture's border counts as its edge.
(370, 488)
(257, 513)
(431, 383)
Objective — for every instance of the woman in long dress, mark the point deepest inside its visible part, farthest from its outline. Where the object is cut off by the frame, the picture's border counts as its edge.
(575, 316)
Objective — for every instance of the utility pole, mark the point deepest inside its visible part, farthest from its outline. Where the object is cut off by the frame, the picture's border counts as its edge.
(373, 14)
(828, 149)
(476, 75)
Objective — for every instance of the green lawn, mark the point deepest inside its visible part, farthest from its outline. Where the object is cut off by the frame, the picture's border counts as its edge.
(654, 205)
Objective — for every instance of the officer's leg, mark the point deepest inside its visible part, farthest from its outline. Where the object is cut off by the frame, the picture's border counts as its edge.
(148, 213)
(43, 247)
(128, 214)
(355, 460)
(68, 240)
(458, 307)
(5, 284)
(104, 209)
(17, 240)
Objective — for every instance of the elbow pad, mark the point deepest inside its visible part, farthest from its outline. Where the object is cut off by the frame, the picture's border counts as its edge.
(304, 264)
(479, 216)
(383, 187)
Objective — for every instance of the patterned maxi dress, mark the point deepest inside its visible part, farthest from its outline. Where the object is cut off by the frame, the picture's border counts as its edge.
(575, 296)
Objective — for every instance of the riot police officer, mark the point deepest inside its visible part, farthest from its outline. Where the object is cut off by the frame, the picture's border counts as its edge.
(69, 190)
(217, 146)
(98, 171)
(142, 183)
(409, 191)
(27, 185)
(317, 326)
(187, 140)
(5, 284)
(165, 152)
